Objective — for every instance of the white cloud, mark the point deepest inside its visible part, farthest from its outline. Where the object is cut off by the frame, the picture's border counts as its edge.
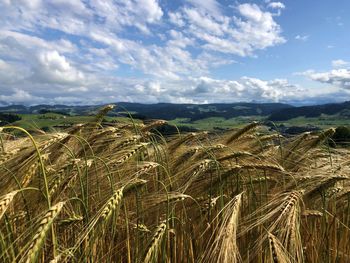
(202, 89)
(21, 96)
(79, 51)
(259, 31)
(211, 7)
(208, 90)
(338, 77)
(177, 19)
(241, 35)
(120, 13)
(276, 5)
(11, 72)
(78, 17)
(55, 68)
(338, 63)
(204, 22)
(302, 37)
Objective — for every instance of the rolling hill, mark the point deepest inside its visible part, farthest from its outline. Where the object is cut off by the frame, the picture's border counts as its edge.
(166, 111)
(341, 109)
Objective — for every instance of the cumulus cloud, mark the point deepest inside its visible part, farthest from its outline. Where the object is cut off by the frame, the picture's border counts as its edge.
(242, 35)
(259, 30)
(78, 51)
(11, 72)
(338, 77)
(21, 96)
(209, 90)
(54, 68)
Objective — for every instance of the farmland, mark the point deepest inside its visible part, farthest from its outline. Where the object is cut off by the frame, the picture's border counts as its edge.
(122, 192)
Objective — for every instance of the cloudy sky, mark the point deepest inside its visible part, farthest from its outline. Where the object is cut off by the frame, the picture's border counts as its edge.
(181, 51)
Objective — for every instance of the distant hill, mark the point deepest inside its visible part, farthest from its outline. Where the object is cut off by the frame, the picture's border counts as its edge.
(166, 111)
(193, 112)
(341, 109)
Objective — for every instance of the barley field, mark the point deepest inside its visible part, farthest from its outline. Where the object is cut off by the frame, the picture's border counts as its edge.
(124, 193)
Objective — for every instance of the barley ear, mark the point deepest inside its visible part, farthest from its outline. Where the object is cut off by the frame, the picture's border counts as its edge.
(44, 226)
(155, 242)
(242, 131)
(5, 202)
(278, 253)
(112, 204)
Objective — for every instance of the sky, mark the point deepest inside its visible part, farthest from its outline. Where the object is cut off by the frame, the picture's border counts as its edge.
(180, 51)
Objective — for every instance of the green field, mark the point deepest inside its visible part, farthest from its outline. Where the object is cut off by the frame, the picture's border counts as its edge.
(324, 121)
(53, 121)
(215, 122)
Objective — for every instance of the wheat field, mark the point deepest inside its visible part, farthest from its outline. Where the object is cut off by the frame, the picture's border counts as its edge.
(125, 193)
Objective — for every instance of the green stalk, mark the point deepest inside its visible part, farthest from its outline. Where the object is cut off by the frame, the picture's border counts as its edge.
(42, 166)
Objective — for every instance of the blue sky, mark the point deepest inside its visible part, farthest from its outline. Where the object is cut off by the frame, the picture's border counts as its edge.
(188, 51)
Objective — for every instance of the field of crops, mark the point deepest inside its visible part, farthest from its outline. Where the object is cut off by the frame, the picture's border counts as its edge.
(124, 193)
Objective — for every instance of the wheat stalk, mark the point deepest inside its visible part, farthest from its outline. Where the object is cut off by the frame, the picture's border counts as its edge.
(224, 248)
(42, 230)
(30, 174)
(112, 204)
(242, 131)
(234, 155)
(130, 153)
(5, 202)
(147, 166)
(153, 125)
(277, 250)
(155, 242)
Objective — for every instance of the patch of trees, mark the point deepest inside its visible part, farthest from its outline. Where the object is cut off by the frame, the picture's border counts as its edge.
(341, 136)
(294, 130)
(167, 129)
(6, 118)
(168, 111)
(309, 111)
(44, 111)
